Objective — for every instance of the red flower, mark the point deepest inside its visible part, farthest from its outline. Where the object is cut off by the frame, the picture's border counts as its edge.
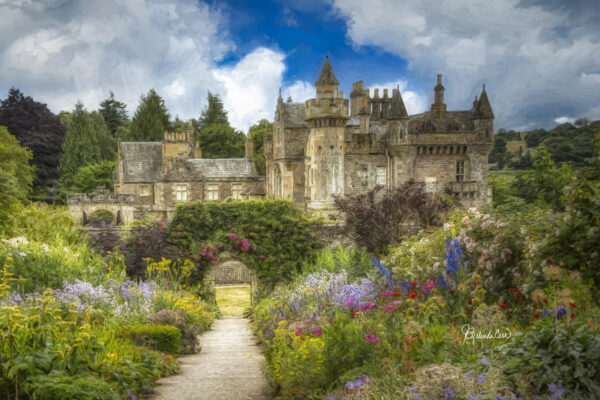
(503, 305)
(470, 301)
(573, 315)
(468, 311)
(536, 315)
(573, 305)
(413, 283)
(451, 291)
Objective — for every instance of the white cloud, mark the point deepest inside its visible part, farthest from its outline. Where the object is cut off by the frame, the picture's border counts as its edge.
(300, 91)
(535, 60)
(60, 57)
(563, 120)
(250, 87)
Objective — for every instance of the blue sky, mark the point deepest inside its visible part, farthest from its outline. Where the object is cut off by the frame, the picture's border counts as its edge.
(539, 59)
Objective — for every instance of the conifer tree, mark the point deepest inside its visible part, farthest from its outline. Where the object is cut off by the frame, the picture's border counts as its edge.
(114, 114)
(151, 119)
(257, 132)
(87, 141)
(16, 174)
(216, 137)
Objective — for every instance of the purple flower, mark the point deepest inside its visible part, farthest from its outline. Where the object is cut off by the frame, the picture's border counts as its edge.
(560, 311)
(449, 394)
(556, 389)
(468, 374)
(484, 361)
(412, 389)
(472, 397)
(481, 379)
(130, 395)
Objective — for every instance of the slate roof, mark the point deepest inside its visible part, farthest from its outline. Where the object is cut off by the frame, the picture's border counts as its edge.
(223, 167)
(294, 115)
(452, 121)
(327, 77)
(142, 161)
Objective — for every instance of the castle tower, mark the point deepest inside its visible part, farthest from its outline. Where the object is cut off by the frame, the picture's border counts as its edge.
(483, 121)
(438, 108)
(177, 145)
(397, 120)
(326, 116)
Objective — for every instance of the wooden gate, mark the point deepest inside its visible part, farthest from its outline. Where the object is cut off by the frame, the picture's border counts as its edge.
(229, 272)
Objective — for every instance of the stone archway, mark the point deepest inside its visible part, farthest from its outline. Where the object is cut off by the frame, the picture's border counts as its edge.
(120, 206)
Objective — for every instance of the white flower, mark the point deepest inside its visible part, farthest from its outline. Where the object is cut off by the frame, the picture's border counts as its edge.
(465, 219)
(472, 210)
(446, 227)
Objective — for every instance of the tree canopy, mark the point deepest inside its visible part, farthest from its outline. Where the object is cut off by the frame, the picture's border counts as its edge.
(87, 141)
(216, 137)
(151, 119)
(114, 114)
(36, 128)
(16, 174)
(256, 133)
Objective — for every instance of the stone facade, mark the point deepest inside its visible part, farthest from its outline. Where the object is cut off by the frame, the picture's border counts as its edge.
(332, 146)
(156, 176)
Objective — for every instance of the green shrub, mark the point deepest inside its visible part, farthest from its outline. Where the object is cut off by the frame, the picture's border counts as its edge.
(58, 386)
(276, 227)
(160, 337)
(568, 353)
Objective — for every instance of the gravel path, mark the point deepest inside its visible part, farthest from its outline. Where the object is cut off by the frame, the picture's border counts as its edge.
(229, 367)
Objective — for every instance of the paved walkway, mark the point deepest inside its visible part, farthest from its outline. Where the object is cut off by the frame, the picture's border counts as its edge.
(227, 368)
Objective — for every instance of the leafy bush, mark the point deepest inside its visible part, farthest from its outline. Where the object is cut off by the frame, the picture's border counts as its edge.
(147, 240)
(89, 177)
(160, 337)
(557, 352)
(58, 386)
(280, 230)
(376, 220)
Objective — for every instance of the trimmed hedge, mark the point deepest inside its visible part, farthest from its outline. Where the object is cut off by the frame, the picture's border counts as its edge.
(277, 228)
(160, 337)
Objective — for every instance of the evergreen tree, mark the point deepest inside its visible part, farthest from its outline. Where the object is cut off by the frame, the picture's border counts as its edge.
(87, 141)
(257, 132)
(38, 129)
(151, 119)
(216, 137)
(214, 113)
(114, 114)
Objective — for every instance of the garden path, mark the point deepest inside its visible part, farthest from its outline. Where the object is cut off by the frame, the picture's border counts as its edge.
(229, 367)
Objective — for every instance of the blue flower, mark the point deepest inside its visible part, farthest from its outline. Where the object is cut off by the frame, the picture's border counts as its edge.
(481, 379)
(561, 310)
(468, 374)
(412, 389)
(484, 361)
(556, 389)
(443, 283)
(472, 397)
(381, 268)
(547, 313)
(449, 394)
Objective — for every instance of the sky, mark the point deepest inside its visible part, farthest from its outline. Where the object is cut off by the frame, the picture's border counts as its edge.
(539, 59)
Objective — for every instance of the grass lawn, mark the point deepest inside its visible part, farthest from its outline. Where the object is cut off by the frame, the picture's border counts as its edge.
(233, 300)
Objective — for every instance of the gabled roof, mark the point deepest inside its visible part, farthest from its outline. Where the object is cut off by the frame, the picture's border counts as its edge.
(142, 161)
(327, 76)
(223, 167)
(398, 109)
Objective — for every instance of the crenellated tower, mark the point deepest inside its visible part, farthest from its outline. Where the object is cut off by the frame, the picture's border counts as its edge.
(326, 116)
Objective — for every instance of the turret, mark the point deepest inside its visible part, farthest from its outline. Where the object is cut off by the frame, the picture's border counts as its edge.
(327, 83)
(483, 118)
(483, 109)
(398, 110)
(397, 122)
(356, 97)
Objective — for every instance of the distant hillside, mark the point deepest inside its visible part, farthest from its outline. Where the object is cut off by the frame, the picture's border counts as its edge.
(566, 142)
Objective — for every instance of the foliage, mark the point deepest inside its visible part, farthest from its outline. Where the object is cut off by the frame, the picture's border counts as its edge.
(568, 353)
(257, 133)
(147, 240)
(87, 141)
(114, 114)
(376, 220)
(216, 137)
(36, 128)
(16, 175)
(498, 152)
(151, 119)
(91, 176)
(276, 227)
(160, 337)
(214, 113)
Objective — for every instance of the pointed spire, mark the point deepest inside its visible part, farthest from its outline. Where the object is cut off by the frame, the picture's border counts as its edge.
(483, 109)
(398, 109)
(327, 76)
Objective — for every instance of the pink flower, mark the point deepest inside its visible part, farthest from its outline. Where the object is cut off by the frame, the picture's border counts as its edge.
(317, 331)
(386, 293)
(298, 331)
(178, 234)
(349, 302)
(279, 261)
(209, 254)
(429, 285)
(371, 338)
(233, 236)
(262, 257)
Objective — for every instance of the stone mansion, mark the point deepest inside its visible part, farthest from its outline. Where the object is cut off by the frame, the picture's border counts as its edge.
(328, 146)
